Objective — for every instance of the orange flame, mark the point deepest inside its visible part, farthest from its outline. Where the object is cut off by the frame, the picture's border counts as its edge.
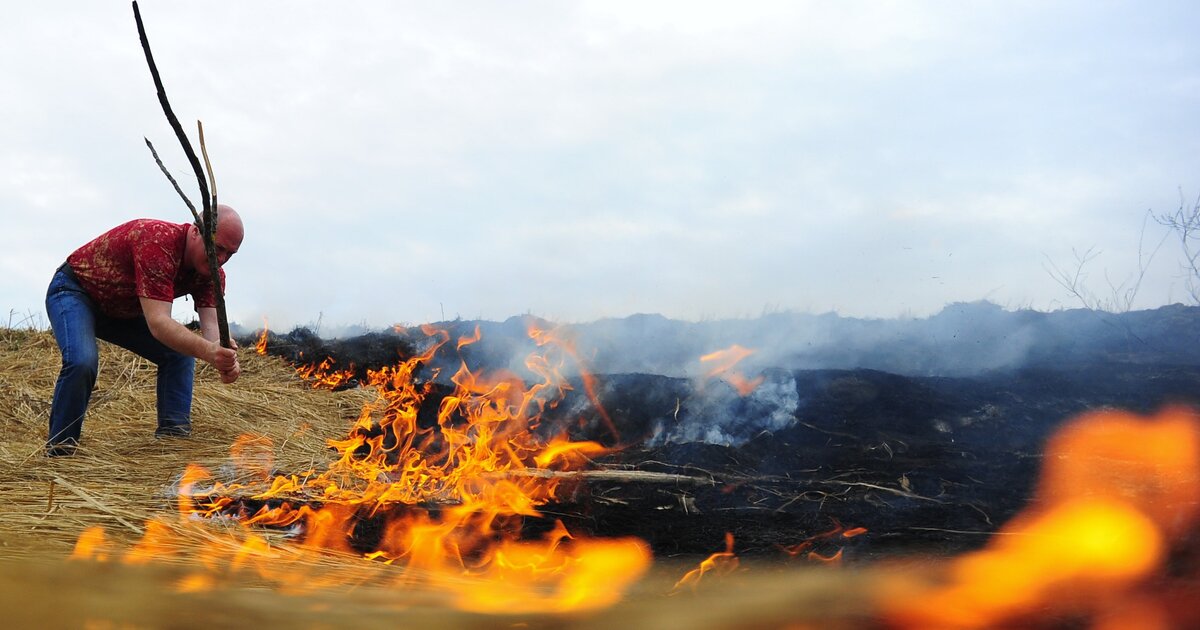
(91, 545)
(448, 498)
(723, 362)
(555, 575)
(324, 376)
(559, 338)
(1116, 492)
(568, 454)
(157, 543)
(806, 549)
(720, 563)
(260, 346)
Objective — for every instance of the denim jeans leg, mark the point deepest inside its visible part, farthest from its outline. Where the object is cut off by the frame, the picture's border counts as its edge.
(73, 319)
(175, 377)
(175, 370)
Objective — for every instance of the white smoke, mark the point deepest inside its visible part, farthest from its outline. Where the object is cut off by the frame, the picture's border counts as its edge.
(717, 414)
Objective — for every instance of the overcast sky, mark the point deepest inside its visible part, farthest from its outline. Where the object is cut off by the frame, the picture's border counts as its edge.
(405, 162)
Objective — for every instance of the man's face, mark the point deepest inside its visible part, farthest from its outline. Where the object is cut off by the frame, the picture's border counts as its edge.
(226, 242)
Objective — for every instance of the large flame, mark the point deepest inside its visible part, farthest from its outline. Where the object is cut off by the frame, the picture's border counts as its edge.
(448, 498)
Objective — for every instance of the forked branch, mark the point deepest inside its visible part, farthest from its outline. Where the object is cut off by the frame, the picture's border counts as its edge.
(207, 220)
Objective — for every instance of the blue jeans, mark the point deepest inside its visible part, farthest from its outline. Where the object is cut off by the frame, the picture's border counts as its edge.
(77, 323)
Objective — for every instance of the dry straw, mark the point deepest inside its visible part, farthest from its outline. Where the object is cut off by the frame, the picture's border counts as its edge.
(123, 475)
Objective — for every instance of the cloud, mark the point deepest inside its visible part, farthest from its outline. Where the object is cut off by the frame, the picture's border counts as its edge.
(397, 161)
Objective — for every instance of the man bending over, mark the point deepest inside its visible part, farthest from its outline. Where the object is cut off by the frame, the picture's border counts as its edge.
(119, 288)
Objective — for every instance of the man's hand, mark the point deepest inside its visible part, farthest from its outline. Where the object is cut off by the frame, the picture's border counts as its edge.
(206, 348)
(225, 360)
(208, 328)
(231, 375)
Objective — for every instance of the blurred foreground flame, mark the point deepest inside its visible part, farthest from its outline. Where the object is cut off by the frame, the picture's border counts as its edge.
(1118, 494)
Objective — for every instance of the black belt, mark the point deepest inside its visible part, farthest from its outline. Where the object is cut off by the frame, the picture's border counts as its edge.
(65, 268)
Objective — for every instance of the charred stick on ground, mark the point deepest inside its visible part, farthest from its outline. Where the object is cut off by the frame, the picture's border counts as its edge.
(207, 222)
(673, 513)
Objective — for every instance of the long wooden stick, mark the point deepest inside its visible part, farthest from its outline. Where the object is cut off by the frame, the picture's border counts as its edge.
(209, 217)
(210, 244)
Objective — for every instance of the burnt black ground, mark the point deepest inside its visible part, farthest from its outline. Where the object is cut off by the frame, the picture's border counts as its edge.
(928, 433)
(924, 463)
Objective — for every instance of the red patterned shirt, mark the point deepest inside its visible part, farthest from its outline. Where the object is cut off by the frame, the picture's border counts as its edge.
(141, 258)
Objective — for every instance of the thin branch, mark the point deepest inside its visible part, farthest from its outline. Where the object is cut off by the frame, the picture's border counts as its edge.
(1075, 283)
(1144, 262)
(174, 183)
(1185, 223)
(212, 179)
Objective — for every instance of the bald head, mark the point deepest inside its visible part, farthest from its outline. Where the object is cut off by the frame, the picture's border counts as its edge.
(227, 240)
(229, 225)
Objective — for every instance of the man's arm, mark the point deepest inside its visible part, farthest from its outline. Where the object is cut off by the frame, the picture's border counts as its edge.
(208, 324)
(178, 338)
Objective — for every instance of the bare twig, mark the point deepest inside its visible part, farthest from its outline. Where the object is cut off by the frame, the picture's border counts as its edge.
(897, 492)
(1122, 295)
(1127, 291)
(1075, 281)
(171, 178)
(212, 179)
(1185, 223)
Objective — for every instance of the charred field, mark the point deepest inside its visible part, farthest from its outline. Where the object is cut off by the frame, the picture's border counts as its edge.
(928, 433)
(816, 452)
